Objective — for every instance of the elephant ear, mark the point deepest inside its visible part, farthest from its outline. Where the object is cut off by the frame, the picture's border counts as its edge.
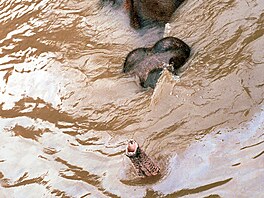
(152, 78)
(133, 58)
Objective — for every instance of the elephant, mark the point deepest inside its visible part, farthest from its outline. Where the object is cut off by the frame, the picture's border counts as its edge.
(148, 63)
(146, 12)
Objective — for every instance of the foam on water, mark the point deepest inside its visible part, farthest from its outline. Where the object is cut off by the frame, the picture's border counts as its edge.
(221, 163)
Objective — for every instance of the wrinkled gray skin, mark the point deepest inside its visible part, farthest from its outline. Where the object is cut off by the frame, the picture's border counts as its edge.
(144, 13)
(148, 63)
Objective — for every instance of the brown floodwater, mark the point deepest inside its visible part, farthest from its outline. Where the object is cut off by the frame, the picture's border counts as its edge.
(67, 111)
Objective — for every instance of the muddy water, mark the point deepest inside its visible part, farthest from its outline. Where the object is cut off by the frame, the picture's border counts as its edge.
(66, 109)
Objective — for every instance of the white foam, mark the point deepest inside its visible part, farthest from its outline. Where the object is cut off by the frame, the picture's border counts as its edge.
(218, 157)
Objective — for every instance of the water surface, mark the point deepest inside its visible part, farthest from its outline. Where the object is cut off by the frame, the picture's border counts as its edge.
(66, 109)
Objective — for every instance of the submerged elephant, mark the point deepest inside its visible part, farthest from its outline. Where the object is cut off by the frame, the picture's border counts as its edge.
(148, 63)
(145, 12)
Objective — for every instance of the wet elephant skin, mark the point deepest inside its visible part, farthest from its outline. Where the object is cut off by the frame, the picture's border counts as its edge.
(142, 13)
(148, 63)
(147, 12)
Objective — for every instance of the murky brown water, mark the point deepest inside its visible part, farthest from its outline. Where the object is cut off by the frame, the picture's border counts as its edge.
(66, 110)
